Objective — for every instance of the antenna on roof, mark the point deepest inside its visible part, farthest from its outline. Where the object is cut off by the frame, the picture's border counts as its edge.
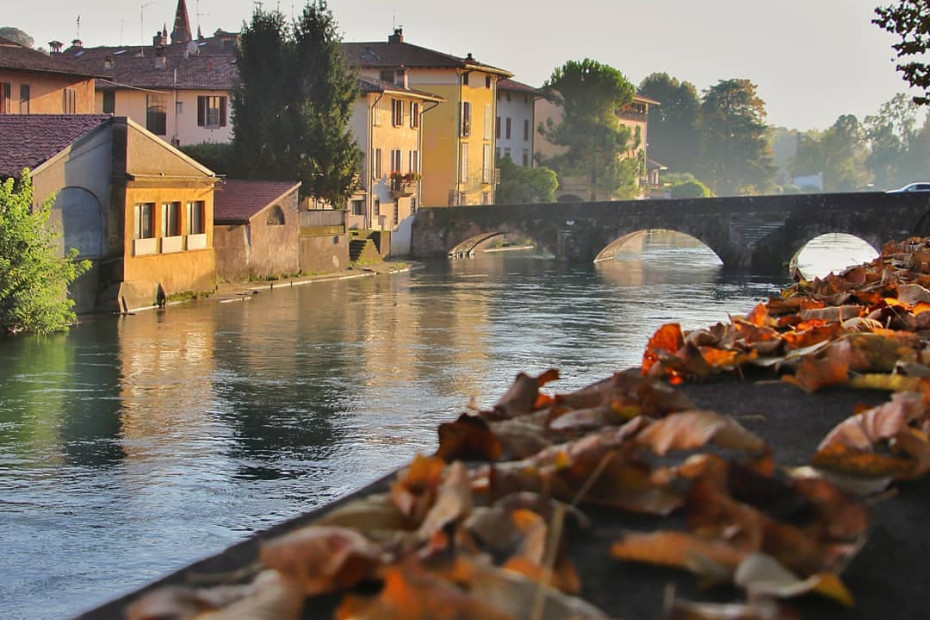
(142, 26)
(78, 32)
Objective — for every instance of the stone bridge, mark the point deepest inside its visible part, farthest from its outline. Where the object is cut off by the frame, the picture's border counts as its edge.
(756, 234)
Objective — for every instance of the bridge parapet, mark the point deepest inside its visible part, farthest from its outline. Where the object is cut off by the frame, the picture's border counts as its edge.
(759, 234)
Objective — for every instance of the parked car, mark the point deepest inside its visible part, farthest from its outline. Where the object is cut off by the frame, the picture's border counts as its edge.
(923, 186)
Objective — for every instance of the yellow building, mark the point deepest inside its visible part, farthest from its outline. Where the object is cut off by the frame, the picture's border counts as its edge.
(458, 135)
(387, 123)
(34, 83)
(137, 208)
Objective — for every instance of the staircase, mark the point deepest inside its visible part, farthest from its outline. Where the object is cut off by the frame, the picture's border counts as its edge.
(363, 251)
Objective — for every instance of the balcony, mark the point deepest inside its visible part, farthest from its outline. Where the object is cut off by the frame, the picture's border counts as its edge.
(404, 185)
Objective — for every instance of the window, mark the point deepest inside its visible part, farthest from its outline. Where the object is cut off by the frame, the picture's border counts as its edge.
(377, 207)
(376, 164)
(211, 112)
(463, 164)
(526, 129)
(156, 116)
(414, 115)
(179, 107)
(465, 78)
(497, 128)
(487, 81)
(414, 161)
(526, 157)
(171, 219)
(376, 115)
(486, 198)
(109, 102)
(387, 75)
(507, 153)
(413, 205)
(487, 121)
(397, 112)
(358, 207)
(24, 98)
(487, 164)
(144, 223)
(395, 161)
(507, 128)
(466, 119)
(68, 101)
(195, 218)
(396, 213)
(5, 89)
(275, 216)
(508, 95)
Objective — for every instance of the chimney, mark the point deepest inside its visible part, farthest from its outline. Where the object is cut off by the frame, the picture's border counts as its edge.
(108, 62)
(55, 46)
(397, 37)
(161, 57)
(160, 39)
(77, 43)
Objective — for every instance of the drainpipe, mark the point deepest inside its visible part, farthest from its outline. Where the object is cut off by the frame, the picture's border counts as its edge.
(458, 133)
(371, 153)
(420, 150)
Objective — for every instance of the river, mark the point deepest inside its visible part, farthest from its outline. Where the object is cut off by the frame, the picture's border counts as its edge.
(134, 445)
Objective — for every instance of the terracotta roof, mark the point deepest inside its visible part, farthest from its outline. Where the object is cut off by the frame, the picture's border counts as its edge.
(236, 201)
(16, 57)
(378, 54)
(644, 99)
(371, 85)
(28, 140)
(509, 84)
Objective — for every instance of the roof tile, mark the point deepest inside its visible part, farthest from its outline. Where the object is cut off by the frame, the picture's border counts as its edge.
(28, 140)
(236, 201)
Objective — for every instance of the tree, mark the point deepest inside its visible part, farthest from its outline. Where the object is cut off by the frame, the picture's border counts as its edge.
(674, 125)
(737, 158)
(839, 153)
(16, 36)
(523, 185)
(217, 156)
(890, 133)
(690, 189)
(591, 96)
(33, 278)
(910, 20)
(293, 103)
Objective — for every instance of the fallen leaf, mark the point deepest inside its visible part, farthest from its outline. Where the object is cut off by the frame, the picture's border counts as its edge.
(694, 429)
(469, 438)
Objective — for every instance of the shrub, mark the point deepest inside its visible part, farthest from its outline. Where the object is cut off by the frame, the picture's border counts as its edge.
(33, 278)
(690, 189)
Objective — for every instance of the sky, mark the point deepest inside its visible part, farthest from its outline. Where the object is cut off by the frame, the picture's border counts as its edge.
(812, 60)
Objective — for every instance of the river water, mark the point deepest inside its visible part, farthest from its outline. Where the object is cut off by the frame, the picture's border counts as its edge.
(132, 446)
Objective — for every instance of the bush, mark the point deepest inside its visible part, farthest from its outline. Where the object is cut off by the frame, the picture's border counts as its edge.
(690, 189)
(33, 278)
(217, 157)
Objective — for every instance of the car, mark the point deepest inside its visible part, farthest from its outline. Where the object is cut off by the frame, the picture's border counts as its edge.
(923, 186)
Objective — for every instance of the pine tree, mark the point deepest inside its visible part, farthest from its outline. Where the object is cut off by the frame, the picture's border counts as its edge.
(293, 103)
(33, 278)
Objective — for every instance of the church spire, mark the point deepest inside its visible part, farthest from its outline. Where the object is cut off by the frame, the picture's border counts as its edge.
(182, 25)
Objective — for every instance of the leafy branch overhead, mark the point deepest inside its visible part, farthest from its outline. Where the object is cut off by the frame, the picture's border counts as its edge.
(910, 20)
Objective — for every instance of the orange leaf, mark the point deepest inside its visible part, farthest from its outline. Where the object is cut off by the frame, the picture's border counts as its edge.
(667, 338)
(675, 549)
(813, 374)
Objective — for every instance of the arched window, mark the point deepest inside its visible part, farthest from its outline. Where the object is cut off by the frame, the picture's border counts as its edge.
(275, 216)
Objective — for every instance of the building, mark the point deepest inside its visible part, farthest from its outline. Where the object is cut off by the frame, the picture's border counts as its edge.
(178, 88)
(634, 115)
(34, 83)
(136, 207)
(256, 230)
(515, 125)
(387, 123)
(458, 135)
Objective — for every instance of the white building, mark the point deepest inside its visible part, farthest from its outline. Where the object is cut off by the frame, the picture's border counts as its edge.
(515, 127)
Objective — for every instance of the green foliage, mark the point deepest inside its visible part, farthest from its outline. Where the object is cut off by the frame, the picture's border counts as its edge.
(691, 189)
(674, 126)
(591, 95)
(293, 102)
(33, 278)
(523, 185)
(736, 158)
(910, 20)
(895, 143)
(216, 156)
(839, 153)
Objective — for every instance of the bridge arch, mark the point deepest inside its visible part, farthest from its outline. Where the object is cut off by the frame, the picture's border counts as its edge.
(468, 246)
(831, 252)
(611, 249)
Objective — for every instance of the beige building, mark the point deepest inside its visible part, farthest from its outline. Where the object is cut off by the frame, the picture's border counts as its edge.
(387, 123)
(458, 135)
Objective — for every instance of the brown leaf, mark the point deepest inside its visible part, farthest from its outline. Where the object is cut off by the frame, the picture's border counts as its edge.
(694, 429)
(863, 431)
(414, 489)
(322, 558)
(676, 550)
(469, 438)
(453, 501)
(813, 374)
(522, 396)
